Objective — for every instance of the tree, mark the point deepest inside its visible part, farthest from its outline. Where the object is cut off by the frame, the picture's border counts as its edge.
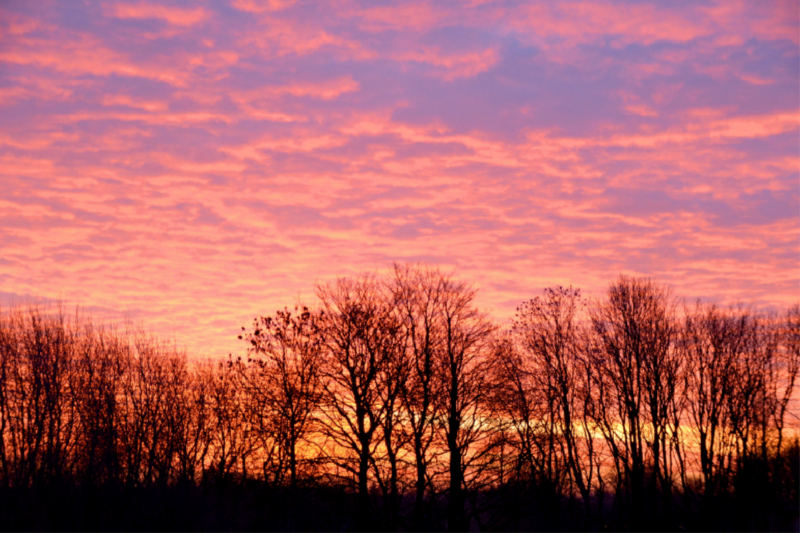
(96, 384)
(548, 335)
(787, 368)
(360, 338)
(464, 390)
(282, 381)
(637, 382)
(713, 341)
(417, 294)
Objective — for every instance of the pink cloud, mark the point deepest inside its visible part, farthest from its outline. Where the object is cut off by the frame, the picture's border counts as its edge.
(278, 35)
(198, 175)
(84, 55)
(454, 66)
(769, 20)
(173, 15)
(253, 6)
(584, 21)
(407, 16)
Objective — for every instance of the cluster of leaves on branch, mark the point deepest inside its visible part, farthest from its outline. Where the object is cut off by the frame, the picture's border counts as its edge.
(628, 411)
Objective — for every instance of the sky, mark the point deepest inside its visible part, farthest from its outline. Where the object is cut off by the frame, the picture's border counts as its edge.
(192, 165)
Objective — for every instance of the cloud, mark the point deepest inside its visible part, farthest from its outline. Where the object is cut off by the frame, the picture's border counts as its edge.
(197, 166)
(176, 16)
(252, 6)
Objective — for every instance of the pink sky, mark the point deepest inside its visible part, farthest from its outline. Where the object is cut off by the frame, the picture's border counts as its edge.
(193, 165)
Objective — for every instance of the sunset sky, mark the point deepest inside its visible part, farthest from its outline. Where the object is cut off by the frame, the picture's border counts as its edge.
(192, 165)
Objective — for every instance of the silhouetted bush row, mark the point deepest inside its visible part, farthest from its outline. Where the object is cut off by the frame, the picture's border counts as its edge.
(394, 403)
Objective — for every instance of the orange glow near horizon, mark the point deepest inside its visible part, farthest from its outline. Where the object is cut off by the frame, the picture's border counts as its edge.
(193, 166)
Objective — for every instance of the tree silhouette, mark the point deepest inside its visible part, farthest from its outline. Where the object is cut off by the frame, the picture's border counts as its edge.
(463, 390)
(359, 334)
(637, 380)
(283, 384)
(417, 294)
(394, 403)
(553, 374)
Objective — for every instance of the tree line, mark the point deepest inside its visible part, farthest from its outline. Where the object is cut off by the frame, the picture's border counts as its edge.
(397, 398)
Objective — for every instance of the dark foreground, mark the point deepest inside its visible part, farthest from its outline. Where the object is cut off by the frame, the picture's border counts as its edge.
(252, 506)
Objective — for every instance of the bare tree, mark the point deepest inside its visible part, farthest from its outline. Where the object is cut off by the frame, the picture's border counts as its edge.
(153, 378)
(232, 441)
(359, 332)
(417, 293)
(548, 334)
(392, 380)
(283, 383)
(638, 378)
(194, 427)
(713, 341)
(464, 390)
(786, 369)
(37, 411)
(96, 386)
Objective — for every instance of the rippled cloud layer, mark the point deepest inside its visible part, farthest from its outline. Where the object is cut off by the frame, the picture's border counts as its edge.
(196, 164)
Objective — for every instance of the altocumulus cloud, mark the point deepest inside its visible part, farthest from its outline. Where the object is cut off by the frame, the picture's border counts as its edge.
(198, 164)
